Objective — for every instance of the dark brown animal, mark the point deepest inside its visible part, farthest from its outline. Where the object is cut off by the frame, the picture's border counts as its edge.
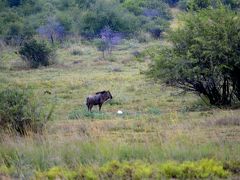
(98, 99)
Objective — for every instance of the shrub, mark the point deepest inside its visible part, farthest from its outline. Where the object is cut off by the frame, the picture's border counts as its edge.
(152, 14)
(88, 173)
(143, 37)
(198, 4)
(156, 27)
(76, 52)
(156, 8)
(101, 46)
(140, 170)
(192, 170)
(183, 4)
(19, 112)
(36, 53)
(202, 4)
(202, 169)
(110, 14)
(148, 8)
(204, 57)
(4, 170)
(57, 172)
(233, 166)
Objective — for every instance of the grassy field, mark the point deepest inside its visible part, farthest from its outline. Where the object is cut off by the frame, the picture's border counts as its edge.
(159, 124)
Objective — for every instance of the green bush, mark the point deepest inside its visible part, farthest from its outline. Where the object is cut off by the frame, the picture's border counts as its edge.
(134, 6)
(19, 112)
(37, 53)
(196, 5)
(152, 14)
(107, 13)
(139, 7)
(183, 4)
(232, 166)
(137, 170)
(156, 27)
(202, 169)
(4, 170)
(204, 56)
(87, 173)
(57, 173)
(7, 18)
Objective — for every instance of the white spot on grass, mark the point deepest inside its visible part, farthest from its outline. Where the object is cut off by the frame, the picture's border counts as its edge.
(119, 112)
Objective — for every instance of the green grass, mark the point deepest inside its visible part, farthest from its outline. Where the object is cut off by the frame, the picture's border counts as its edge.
(158, 124)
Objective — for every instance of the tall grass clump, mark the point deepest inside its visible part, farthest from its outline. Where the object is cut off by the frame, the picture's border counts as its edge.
(20, 112)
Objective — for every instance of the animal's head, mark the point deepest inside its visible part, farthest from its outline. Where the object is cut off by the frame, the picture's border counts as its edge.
(106, 94)
(109, 94)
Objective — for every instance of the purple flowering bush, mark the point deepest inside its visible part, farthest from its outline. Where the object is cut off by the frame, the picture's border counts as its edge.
(52, 30)
(107, 40)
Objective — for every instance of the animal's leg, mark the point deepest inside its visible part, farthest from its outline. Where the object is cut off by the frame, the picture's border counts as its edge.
(90, 107)
(87, 103)
(100, 106)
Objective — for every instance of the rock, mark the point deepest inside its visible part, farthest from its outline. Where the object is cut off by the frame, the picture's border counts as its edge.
(119, 112)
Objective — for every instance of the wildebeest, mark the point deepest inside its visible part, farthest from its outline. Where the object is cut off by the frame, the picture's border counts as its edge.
(98, 99)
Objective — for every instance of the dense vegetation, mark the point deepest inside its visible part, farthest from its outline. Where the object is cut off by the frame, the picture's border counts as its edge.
(56, 19)
(204, 57)
(37, 53)
(196, 5)
(74, 48)
(20, 112)
(139, 170)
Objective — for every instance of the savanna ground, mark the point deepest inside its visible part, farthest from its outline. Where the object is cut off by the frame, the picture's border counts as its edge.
(159, 124)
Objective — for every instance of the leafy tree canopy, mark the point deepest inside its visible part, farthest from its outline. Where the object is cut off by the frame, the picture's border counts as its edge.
(204, 56)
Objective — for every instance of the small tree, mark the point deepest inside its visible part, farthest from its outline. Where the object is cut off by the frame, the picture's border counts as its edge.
(108, 39)
(36, 53)
(101, 46)
(204, 57)
(52, 30)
